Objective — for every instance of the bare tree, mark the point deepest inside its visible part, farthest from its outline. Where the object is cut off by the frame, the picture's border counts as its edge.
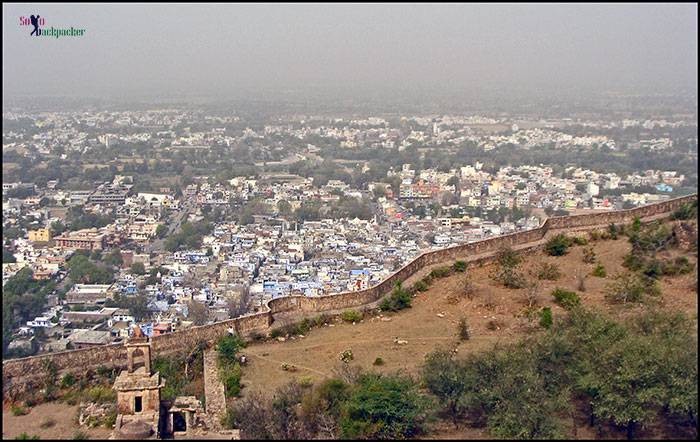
(239, 305)
(532, 292)
(581, 280)
(190, 279)
(348, 373)
(198, 312)
(469, 287)
(489, 299)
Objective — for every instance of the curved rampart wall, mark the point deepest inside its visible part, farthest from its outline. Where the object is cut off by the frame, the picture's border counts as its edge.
(20, 374)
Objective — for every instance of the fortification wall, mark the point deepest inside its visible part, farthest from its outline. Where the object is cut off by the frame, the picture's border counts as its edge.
(21, 374)
(466, 252)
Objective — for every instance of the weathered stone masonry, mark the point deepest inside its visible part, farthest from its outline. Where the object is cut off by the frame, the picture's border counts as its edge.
(20, 374)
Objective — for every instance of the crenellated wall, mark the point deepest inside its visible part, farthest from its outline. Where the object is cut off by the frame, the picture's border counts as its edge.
(21, 374)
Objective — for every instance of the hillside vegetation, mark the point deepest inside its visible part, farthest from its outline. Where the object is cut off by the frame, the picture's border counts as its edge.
(594, 337)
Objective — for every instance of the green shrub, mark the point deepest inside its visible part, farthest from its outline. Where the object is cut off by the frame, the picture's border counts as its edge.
(546, 317)
(306, 381)
(548, 271)
(228, 347)
(680, 266)
(68, 380)
(441, 272)
(507, 272)
(631, 287)
(599, 271)
(100, 394)
(558, 246)
(378, 361)
(652, 238)
(399, 299)
(231, 377)
(686, 211)
(351, 316)
(459, 266)
(110, 419)
(420, 286)
(299, 328)
(655, 268)
(105, 372)
(25, 436)
(18, 410)
(383, 407)
(595, 235)
(580, 240)
(633, 261)
(347, 356)
(565, 298)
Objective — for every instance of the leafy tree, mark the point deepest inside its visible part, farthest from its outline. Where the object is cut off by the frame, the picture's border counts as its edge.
(138, 307)
(686, 211)
(23, 298)
(558, 245)
(138, 268)
(161, 230)
(78, 219)
(444, 377)
(57, 227)
(546, 317)
(630, 287)
(624, 383)
(284, 208)
(503, 390)
(548, 271)
(114, 258)
(7, 256)
(228, 347)
(383, 407)
(453, 181)
(566, 298)
(508, 272)
(399, 299)
(83, 271)
(11, 233)
(379, 191)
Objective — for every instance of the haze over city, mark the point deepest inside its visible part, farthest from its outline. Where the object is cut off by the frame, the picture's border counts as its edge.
(360, 50)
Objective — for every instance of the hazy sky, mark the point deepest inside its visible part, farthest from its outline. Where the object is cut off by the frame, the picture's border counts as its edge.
(178, 50)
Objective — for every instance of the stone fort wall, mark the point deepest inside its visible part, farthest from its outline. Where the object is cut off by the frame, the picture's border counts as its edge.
(23, 373)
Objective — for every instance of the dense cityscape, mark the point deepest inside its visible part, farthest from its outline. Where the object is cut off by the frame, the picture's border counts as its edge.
(310, 205)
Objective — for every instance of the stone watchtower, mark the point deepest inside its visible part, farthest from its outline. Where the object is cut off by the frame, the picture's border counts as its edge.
(138, 392)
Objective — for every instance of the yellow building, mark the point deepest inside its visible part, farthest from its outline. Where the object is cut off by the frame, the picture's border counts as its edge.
(39, 235)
